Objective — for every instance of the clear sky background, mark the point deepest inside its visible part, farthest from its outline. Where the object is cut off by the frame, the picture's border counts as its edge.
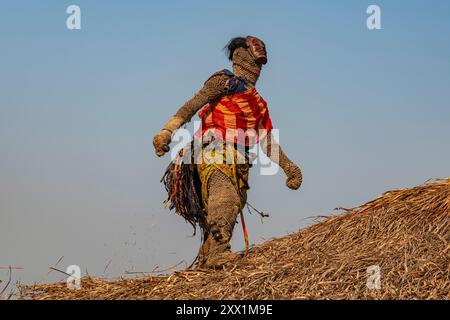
(360, 111)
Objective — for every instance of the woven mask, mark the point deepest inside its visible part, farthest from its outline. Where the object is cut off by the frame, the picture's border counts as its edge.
(258, 49)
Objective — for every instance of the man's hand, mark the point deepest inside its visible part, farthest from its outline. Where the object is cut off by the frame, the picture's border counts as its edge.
(294, 176)
(161, 142)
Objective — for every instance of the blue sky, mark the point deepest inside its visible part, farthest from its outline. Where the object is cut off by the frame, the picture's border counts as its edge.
(361, 111)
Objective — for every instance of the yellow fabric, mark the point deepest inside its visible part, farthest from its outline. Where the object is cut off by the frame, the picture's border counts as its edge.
(236, 171)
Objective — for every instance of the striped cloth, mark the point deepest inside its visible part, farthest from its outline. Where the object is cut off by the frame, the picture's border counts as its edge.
(241, 118)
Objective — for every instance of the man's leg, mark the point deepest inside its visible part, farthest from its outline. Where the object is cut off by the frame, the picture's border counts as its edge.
(223, 209)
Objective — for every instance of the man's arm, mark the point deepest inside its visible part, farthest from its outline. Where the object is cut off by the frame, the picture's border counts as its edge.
(292, 171)
(213, 89)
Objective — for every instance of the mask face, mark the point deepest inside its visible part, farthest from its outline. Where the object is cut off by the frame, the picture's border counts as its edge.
(258, 49)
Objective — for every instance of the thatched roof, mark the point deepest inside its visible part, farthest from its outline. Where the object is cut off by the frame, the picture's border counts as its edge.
(404, 233)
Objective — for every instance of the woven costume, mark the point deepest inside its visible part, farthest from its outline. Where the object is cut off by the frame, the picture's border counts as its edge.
(240, 118)
(211, 190)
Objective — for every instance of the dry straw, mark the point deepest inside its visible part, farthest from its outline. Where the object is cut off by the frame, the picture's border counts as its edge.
(404, 232)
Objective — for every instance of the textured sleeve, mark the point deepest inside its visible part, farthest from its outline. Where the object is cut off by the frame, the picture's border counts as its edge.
(213, 89)
(273, 150)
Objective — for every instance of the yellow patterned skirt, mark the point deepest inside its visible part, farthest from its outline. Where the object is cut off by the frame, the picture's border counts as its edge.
(187, 184)
(231, 163)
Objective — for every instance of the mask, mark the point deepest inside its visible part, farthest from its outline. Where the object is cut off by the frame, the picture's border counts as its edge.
(258, 49)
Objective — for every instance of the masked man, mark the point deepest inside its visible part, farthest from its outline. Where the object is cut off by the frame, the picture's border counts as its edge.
(211, 193)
